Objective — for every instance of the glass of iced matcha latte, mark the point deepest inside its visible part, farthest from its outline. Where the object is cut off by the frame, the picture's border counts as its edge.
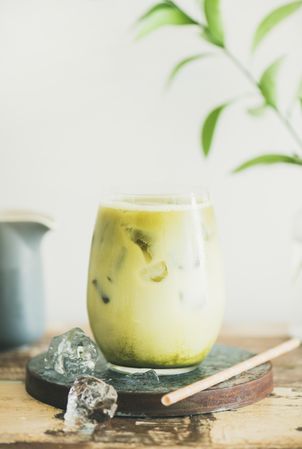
(155, 284)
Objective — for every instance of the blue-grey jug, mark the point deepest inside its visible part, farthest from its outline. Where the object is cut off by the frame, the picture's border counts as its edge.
(21, 278)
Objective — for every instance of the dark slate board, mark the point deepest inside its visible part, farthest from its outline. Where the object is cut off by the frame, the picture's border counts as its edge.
(138, 397)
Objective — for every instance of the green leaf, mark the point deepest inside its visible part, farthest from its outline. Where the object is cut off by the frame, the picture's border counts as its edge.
(209, 127)
(272, 20)
(257, 111)
(162, 14)
(183, 63)
(269, 159)
(268, 82)
(207, 36)
(214, 20)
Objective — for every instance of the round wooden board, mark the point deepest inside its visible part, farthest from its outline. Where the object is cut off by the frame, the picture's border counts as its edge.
(139, 395)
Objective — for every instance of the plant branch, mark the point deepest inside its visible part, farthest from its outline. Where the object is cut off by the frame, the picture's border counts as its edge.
(284, 120)
(289, 127)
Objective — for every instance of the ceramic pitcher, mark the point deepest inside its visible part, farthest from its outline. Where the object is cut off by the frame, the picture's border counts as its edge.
(21, 278)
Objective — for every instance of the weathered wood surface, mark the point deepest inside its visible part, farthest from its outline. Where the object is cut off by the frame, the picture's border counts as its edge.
(275, 422)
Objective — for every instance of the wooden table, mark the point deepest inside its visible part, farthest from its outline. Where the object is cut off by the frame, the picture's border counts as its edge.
(275, 422)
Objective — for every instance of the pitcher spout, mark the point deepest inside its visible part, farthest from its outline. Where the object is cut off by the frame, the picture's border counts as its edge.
(45, 222)
(24, 227)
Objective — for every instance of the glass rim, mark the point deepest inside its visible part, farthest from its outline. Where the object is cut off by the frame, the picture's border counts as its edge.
(156, 201)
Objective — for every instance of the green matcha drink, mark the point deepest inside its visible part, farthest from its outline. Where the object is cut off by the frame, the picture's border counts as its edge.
(155, 285)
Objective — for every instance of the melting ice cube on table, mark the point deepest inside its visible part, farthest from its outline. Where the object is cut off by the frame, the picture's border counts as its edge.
(90, 401)
(72, 354)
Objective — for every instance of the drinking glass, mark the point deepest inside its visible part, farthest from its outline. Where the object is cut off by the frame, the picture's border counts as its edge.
(155, 283)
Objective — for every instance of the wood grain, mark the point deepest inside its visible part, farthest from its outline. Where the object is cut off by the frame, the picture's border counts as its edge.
(275, 422)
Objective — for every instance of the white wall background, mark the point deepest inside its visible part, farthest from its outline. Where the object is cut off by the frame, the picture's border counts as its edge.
(82, 110)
